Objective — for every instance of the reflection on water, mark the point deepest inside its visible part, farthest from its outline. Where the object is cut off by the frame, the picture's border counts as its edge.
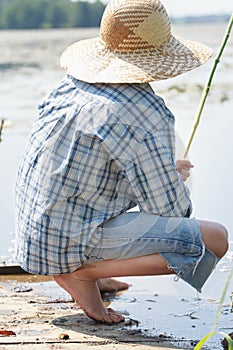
(29, 68)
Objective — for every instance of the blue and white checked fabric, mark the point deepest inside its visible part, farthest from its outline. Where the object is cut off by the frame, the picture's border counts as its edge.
(95, 151)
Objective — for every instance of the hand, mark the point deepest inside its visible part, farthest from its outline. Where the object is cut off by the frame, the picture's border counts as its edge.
(183, 167)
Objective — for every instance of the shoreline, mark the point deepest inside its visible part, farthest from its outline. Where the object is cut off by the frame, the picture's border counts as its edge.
(42, 316)
(159, 313)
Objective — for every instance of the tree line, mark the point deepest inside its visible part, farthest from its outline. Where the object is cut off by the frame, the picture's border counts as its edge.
(29, 14)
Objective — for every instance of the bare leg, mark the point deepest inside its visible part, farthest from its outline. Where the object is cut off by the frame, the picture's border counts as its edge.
(82, 283)
(215, 237)
(82, 286)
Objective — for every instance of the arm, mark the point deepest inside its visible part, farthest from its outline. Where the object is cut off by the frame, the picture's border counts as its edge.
(154, 179)
(147, 161)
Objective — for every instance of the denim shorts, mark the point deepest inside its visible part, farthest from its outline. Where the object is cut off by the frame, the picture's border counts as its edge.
(177, 240)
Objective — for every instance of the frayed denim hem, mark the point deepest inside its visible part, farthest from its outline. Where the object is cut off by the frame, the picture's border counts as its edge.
(194, 273)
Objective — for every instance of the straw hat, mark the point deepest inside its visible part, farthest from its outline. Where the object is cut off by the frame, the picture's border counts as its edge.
(135, 46)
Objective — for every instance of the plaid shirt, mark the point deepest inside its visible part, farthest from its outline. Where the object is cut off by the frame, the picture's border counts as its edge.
(95, 151)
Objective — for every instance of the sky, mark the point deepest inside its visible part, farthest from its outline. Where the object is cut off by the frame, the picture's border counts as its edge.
(197, 7)
(179, 8)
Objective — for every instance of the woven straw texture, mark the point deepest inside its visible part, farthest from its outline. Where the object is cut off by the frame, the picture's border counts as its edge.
(135, 46)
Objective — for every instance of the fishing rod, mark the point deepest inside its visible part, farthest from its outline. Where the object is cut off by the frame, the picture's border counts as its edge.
(208, 85)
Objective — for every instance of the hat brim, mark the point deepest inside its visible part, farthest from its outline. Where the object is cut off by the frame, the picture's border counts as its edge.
(89, 60)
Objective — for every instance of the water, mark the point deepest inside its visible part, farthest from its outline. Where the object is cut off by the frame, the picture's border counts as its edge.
(29, 68)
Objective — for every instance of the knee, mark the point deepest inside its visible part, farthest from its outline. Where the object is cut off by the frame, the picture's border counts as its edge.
(223, 240)
(215, 237)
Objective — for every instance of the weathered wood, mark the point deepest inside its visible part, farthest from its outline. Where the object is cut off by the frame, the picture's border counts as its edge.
(12, 270)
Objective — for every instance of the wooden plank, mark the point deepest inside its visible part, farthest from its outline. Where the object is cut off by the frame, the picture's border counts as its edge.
(12, 270)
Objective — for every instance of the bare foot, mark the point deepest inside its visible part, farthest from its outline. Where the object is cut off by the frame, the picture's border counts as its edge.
(111, 285)
(87, 294)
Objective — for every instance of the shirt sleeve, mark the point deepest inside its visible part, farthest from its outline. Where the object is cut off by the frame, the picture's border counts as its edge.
(148, 163)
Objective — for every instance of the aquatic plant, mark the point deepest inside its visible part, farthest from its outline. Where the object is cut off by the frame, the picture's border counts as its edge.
(208, 85)
(218, 312)
(1, 128)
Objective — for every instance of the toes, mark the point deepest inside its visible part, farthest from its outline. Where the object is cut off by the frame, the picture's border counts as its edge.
(116, 317)
(112, 285)
(123, 286)
(108, 317)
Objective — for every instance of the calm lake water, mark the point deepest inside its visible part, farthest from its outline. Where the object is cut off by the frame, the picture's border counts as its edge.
(29, 68)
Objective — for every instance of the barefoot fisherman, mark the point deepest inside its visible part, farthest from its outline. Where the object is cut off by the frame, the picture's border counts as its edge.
(103, 144)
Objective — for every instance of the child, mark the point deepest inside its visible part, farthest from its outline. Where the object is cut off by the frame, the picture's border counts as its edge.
(104, 143)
